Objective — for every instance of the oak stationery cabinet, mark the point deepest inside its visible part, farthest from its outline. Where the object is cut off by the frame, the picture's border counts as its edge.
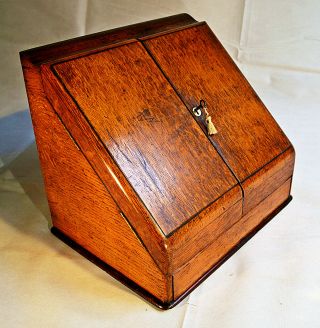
(158, 157)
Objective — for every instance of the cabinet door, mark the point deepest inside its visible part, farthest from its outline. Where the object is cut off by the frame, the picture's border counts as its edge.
(148, 131)
(198, 67)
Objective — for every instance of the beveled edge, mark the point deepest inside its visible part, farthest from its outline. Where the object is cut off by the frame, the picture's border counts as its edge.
(61, 49)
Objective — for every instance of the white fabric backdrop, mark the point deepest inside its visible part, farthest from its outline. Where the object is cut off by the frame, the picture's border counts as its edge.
(273, 281)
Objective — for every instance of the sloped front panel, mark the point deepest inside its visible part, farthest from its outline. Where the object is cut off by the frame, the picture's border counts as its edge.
(248, 137)
(200, 68)
(163, 153)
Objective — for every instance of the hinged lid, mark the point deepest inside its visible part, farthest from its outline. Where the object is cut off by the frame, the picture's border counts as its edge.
(195, 62)
(148, 131)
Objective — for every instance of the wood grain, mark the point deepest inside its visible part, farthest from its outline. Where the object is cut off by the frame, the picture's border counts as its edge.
(206, 259)
(198, 67)
(148, 131)
(59, 50)
(258, 186)
(130, 173)
(106, 168)
(202, 230)
(80, 205)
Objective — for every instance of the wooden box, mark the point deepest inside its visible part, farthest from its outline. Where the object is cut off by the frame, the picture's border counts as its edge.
(134, 179)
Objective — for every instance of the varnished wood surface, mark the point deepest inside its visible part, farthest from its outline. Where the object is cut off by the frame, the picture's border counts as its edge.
(258, 186)
(198, 67)
(212, 232)
(133, 178)
(122, 278)
(105, 167)
(80, 205)
(202, 230)
(195, 268)
(148, 131)
(146, 295)
(64, 49)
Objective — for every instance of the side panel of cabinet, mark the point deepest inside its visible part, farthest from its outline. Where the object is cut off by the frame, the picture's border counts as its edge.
(81, 207)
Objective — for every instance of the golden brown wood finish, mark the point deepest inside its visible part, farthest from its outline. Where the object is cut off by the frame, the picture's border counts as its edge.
(59, 50)
(191, 238)
(131, 176)
(80, 205)
(198, 243)
(148, 131)
(198, 67)
(268, 179)
(110, 174)
(224, 243)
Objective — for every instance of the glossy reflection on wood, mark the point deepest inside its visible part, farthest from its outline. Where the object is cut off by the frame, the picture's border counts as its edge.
(148, 131)
(199, 67)
(131, 175)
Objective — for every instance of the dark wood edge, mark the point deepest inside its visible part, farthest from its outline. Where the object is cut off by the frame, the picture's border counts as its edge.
(110, 270)
(89, 52)
(69, 47)
(155, 246)
(233, 250)
(195, 215)
(164, 32)
(144, 293)
(290, 147)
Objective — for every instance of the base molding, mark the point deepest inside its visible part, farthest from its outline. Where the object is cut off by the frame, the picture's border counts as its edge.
(142, 292)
